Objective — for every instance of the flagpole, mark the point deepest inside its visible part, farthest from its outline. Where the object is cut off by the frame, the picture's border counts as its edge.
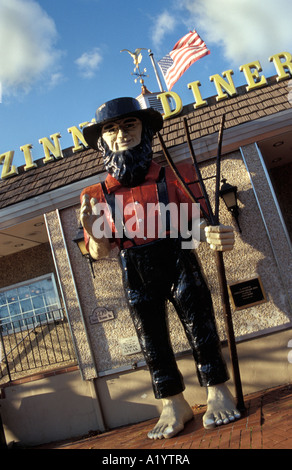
(155, 70)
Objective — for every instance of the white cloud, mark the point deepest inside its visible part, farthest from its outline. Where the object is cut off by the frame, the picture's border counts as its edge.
(246, 29)
(163, 24)
(88, 63)
(55, 79)
(27, 44)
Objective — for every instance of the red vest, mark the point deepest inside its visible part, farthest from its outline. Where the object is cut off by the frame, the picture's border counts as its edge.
(138, 206)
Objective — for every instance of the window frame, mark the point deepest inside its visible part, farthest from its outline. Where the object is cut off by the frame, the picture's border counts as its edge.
(21, 318)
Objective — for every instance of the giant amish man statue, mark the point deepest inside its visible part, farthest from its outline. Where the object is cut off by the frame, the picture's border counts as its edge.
(155, 266)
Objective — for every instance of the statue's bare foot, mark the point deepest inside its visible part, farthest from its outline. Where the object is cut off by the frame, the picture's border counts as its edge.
(220, 407)
(175, 413)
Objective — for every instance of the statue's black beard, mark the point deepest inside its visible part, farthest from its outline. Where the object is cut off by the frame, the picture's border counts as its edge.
(131, 166)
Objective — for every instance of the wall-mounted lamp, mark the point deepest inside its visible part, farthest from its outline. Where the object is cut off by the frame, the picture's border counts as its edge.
(80, 242)
(229, 196)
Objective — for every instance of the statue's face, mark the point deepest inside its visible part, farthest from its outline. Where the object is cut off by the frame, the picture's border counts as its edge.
(122, 134)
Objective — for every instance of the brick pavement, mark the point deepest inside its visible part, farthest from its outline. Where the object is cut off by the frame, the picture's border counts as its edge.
(266, 424)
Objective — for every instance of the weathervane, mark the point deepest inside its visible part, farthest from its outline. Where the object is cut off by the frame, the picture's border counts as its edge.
(137, 58)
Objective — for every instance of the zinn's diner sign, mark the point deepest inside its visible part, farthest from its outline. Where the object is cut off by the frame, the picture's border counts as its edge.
(224, 86)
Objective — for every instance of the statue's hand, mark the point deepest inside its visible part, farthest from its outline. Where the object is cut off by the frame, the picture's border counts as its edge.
(220, 237)
(87, 218)
(98, 248)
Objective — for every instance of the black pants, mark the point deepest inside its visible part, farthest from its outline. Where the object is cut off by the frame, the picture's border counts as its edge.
(152, 274)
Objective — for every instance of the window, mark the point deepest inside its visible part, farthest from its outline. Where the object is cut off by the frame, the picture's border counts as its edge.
(29, 303)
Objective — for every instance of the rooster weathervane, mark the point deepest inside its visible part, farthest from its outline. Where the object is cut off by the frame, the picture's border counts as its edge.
(137, 58)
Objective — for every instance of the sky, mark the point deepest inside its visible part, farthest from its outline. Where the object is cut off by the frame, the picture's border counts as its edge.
(61, 59)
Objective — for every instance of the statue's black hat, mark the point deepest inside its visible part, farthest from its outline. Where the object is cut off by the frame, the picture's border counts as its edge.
(118, 109)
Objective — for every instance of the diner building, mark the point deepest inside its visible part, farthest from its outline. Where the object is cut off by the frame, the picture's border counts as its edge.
(70, 360)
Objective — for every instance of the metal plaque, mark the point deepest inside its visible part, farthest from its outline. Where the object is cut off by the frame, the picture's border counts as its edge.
(101, 314)
(247, 293)
(130, 346)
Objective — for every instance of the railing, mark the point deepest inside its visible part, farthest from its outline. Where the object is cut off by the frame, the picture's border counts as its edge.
(34, 342)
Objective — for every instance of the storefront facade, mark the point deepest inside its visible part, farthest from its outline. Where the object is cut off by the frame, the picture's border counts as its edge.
(39, 218)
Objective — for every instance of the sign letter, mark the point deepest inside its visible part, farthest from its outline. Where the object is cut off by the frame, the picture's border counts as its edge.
(165, 101)
(253, 78)
(53, 147)
(227, 86)
(29, 164)
(8, 169)
(281, 66)
(194, 86)
(77, 136)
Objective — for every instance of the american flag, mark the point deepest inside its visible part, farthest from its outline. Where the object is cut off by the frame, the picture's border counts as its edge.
(185, 52)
